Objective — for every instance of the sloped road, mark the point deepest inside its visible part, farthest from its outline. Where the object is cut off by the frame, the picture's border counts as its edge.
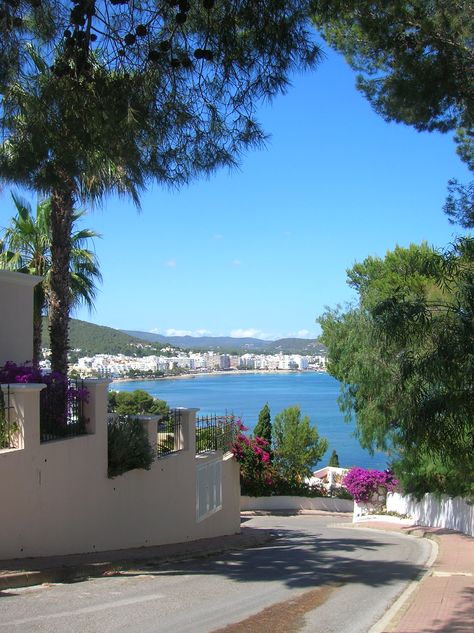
(313, 578)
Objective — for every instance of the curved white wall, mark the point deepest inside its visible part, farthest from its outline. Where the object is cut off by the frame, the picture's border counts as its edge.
(443, 512)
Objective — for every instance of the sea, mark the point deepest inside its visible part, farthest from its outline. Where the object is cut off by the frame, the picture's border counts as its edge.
(244, 394)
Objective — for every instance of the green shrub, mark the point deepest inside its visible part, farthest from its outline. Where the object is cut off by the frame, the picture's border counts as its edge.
(128, 446)
(138, 402)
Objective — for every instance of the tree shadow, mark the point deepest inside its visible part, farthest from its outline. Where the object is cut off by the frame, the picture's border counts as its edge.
(463, 618)
(297, 558)
(301, 560)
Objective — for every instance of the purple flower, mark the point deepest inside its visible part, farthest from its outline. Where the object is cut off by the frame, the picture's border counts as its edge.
(362, 484)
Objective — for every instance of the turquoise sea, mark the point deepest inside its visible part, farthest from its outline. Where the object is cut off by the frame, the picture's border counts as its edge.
(245, 394)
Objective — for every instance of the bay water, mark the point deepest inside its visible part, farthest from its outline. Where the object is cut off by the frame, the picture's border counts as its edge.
(244, 394)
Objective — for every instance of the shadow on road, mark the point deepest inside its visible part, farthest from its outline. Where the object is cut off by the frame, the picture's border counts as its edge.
(302, 560)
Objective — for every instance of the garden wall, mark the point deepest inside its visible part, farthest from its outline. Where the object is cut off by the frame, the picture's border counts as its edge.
(296, 504)
(444, 512)
(56, 497)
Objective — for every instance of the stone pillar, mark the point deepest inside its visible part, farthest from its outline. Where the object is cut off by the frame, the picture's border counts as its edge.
(95, 407)
(25, 400)
(185, 439)
(95, 413)
(150, 424)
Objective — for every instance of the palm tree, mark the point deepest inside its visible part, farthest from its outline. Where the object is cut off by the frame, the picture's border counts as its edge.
(26, 247)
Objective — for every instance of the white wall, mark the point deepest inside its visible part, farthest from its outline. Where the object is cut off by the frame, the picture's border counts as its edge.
(444, 512)
(296, 503)
(16, 316)
(56, 498)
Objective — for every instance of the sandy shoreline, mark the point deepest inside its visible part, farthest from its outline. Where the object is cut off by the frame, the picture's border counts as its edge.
(232, 372)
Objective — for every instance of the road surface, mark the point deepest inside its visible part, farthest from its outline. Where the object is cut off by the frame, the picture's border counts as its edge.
(315, 577)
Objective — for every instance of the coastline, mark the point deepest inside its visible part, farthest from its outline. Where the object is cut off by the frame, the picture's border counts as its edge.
(233, 372)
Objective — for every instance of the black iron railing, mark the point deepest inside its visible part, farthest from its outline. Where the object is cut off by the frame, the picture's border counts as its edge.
(8, 428)
(215, 432)
(169, 433)
(62, 410)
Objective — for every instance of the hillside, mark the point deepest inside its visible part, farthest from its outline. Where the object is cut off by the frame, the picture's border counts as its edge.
(93, 339)
(229, 344)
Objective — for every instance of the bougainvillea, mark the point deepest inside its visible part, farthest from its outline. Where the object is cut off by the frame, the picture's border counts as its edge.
(363, 484)
(253, 455)
(57, 402)
(258, 475)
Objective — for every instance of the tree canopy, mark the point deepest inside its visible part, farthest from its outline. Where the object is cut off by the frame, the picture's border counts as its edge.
(116, 94)
(405, 357)
(415, 64)
(102, 96)
(297, 446)
(138, 402)
(415, 58)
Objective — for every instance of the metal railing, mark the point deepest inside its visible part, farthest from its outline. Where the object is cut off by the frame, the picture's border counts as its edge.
(215, 432)
(8, 428)
(169, 434)
(62, 410)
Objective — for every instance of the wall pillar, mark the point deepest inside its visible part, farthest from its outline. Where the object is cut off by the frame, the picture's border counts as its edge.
(185, 439)
(25, 400)
(150, 424)
(95, 407)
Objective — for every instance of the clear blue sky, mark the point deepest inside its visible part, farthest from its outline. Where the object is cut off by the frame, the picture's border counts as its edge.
(261, 250)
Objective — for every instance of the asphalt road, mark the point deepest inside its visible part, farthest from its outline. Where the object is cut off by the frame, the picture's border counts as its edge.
(314, 577)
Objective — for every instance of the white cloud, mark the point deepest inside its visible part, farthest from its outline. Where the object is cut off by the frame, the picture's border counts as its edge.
(200, 332)
(171, 263)
(173, 332)
(303, 334)
(245, 333)
(236, 333)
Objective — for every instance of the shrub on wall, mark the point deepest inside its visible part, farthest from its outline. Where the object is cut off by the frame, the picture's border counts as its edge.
(128, 446)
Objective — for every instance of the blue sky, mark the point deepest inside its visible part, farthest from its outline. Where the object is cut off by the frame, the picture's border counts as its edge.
(260, 251)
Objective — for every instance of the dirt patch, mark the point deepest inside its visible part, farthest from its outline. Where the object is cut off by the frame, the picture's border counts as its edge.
(282, 617)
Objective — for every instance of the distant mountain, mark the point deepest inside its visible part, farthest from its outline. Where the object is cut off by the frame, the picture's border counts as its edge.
(93, 339)
(228, 344)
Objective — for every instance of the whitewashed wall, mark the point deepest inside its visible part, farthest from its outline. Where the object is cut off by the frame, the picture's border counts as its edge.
(296, 504)
(56, 498)
(444, 512)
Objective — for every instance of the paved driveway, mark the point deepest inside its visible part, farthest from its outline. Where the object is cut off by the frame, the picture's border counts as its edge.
(314, 577)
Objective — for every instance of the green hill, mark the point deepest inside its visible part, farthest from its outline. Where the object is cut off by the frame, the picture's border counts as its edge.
(93, 339)
(229, 345)
(87, 339)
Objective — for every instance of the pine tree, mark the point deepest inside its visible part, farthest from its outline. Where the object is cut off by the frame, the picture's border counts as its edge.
(263, 427)
(334, 460)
